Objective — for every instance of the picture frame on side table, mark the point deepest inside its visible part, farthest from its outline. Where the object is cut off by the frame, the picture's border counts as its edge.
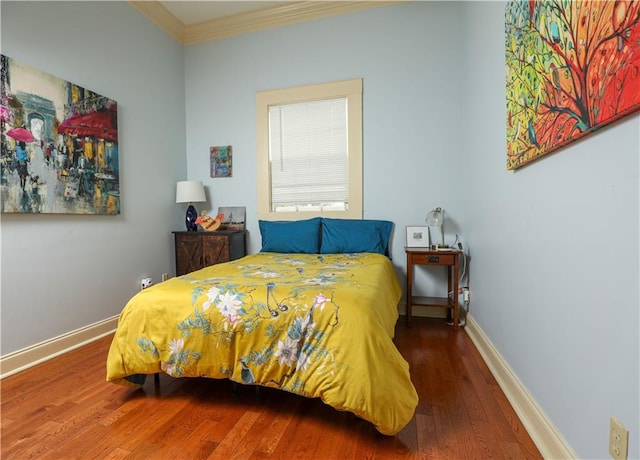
(417, 236)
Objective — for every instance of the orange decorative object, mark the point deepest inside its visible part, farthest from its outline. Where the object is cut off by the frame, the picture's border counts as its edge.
(208, 223)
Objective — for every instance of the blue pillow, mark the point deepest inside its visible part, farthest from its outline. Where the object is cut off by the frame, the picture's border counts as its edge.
(351, 235)
(299, 236)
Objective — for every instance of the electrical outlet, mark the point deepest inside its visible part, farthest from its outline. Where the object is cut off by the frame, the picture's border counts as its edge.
(466, 294)
(618, 440)
(165, 276)
(145, 283)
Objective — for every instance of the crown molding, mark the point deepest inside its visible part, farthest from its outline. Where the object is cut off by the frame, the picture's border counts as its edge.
(251, 21)
(162, 17)
(275, 16)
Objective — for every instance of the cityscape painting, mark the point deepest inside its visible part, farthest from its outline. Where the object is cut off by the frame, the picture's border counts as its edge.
(572, 67)
(59, 151)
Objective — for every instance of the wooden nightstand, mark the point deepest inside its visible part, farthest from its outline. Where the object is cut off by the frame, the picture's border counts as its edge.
(449, 258)
(196, 250)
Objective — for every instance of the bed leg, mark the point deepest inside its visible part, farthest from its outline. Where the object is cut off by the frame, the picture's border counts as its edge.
(156, 379)
(258, 395)
(234, 389)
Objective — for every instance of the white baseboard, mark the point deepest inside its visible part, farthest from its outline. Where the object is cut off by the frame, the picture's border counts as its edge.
(542, 431)
(28, 357)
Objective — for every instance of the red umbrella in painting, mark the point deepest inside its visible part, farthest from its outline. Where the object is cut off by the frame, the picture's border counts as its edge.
(101, 124)
(20, 134)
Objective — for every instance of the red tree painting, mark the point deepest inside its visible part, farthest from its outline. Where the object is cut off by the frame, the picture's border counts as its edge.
(571, 68)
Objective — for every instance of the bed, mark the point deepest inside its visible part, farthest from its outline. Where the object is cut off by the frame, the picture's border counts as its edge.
(314, 317)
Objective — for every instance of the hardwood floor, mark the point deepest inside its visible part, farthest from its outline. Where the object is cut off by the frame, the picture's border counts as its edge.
(64, 409)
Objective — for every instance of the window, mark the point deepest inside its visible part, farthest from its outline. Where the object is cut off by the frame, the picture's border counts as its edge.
(310, 151)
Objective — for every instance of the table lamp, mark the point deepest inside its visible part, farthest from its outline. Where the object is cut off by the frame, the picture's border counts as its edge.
(435, 218)
(190, 191)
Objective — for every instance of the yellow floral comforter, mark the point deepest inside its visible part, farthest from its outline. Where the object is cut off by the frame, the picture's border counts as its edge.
(320, 326)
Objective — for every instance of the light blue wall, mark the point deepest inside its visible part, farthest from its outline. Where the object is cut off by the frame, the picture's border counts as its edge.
(64, 272)
(412, 82)
(555, 255)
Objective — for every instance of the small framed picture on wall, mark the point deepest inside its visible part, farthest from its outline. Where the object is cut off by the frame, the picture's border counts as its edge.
(221, 161)
(417, 237)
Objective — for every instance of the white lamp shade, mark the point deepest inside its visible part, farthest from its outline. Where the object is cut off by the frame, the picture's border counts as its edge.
(190, 191)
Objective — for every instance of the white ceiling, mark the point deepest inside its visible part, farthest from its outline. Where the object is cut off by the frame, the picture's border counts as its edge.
(191, 12)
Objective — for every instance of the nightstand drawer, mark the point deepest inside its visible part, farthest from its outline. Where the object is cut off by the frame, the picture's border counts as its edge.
(432, 259)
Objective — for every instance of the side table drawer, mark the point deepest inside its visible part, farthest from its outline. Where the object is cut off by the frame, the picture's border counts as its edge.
(432, 259)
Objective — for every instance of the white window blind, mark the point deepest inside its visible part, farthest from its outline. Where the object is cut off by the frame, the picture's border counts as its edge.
(308, 156)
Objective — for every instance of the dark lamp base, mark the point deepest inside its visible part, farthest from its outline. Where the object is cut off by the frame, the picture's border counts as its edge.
(190, 219)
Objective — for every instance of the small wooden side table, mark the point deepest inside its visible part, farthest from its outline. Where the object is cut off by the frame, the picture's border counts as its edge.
(444, 257)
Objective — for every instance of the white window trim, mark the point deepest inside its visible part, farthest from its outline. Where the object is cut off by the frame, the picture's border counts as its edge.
(352, 90)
